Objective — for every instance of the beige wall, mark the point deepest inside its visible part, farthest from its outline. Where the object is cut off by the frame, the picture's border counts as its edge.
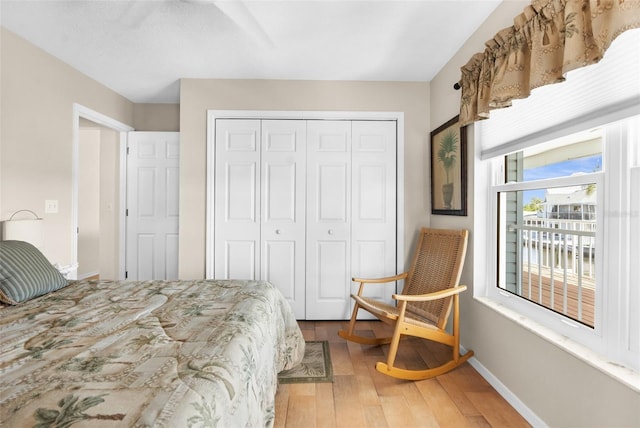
(109, 202)
(559, 388)
(198, 96)
(89, 202)
(156, 117)
(37, 93)
(37, 96)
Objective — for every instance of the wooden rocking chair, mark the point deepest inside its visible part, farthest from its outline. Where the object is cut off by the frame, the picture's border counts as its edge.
(431, 289)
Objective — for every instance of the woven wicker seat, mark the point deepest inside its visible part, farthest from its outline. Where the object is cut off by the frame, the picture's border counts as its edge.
(422, 309)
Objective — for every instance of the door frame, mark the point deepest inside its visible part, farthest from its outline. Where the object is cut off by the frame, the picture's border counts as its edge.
(212, 115)
(80, 111)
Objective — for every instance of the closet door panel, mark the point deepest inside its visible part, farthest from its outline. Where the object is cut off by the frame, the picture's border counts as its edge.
(283, 209)
(240, 193)
(331, 260)
(237, 199)
(328, 219)
(373, 221)
(331, 192)
(239, 259)
(372, 198)
(280, 192)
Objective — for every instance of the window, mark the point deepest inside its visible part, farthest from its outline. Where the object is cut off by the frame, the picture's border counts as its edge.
(562, 239)
(557, 211)
(547, 223)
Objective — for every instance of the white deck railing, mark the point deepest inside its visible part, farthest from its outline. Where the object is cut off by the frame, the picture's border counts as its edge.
(570, 239)
(557, 254)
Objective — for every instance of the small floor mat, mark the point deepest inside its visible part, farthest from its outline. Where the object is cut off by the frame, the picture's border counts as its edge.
(314, 368)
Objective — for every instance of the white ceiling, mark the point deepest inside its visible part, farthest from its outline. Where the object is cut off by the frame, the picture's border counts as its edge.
(142, 48)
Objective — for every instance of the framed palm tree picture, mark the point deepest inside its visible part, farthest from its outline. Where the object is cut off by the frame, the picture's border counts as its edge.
(449, 169)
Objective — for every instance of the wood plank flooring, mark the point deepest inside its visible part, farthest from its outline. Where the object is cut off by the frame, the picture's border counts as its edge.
(362, 397)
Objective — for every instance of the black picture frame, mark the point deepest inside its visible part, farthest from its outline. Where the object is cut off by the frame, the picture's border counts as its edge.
(449, 169)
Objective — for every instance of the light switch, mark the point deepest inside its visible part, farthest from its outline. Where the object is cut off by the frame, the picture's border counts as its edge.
(51, 206)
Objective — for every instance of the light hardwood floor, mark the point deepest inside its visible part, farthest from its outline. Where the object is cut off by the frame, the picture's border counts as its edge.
(362, 397)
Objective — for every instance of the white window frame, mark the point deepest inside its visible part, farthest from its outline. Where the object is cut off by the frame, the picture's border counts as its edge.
(563, 324)
(612, 345)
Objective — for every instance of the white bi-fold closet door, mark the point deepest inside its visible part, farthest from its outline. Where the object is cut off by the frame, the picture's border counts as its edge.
(260, 204)
(306, 205)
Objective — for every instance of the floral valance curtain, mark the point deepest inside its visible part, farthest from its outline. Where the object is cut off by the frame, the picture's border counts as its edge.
(547, 40)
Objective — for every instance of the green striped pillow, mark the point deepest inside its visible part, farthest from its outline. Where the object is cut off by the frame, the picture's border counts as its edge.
(25, 273)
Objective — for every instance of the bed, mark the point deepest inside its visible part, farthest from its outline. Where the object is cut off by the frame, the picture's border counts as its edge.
(158, 353)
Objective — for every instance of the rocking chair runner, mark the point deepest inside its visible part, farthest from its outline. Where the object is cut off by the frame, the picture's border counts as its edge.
(423, 308)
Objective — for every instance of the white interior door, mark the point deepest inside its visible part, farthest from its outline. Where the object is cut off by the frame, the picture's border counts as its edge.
(237, 199)
(152, 205)
(328, 219)
(283, 209)
(373, 202)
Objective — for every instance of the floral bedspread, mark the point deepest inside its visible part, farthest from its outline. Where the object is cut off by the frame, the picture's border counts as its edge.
(161, 354)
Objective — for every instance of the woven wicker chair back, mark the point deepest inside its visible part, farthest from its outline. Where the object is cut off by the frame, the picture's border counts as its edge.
(437, 265)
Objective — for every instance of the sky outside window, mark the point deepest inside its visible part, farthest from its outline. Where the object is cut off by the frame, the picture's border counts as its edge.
(566, 168)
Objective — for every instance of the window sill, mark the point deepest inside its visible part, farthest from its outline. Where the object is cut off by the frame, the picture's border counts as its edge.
(625, 375)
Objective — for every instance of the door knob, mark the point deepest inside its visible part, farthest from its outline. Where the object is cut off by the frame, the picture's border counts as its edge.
(330, 232)
(277, 231)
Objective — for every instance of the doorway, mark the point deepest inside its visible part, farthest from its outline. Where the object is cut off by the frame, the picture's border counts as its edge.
(109, 215)
(97, 201)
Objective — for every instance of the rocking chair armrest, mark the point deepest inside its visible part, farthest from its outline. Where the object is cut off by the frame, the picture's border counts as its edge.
(431, 296)
(364, 281)
(381, 280)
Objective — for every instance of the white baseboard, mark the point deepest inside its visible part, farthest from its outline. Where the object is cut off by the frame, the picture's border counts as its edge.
(87, 275)
(506, 393)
